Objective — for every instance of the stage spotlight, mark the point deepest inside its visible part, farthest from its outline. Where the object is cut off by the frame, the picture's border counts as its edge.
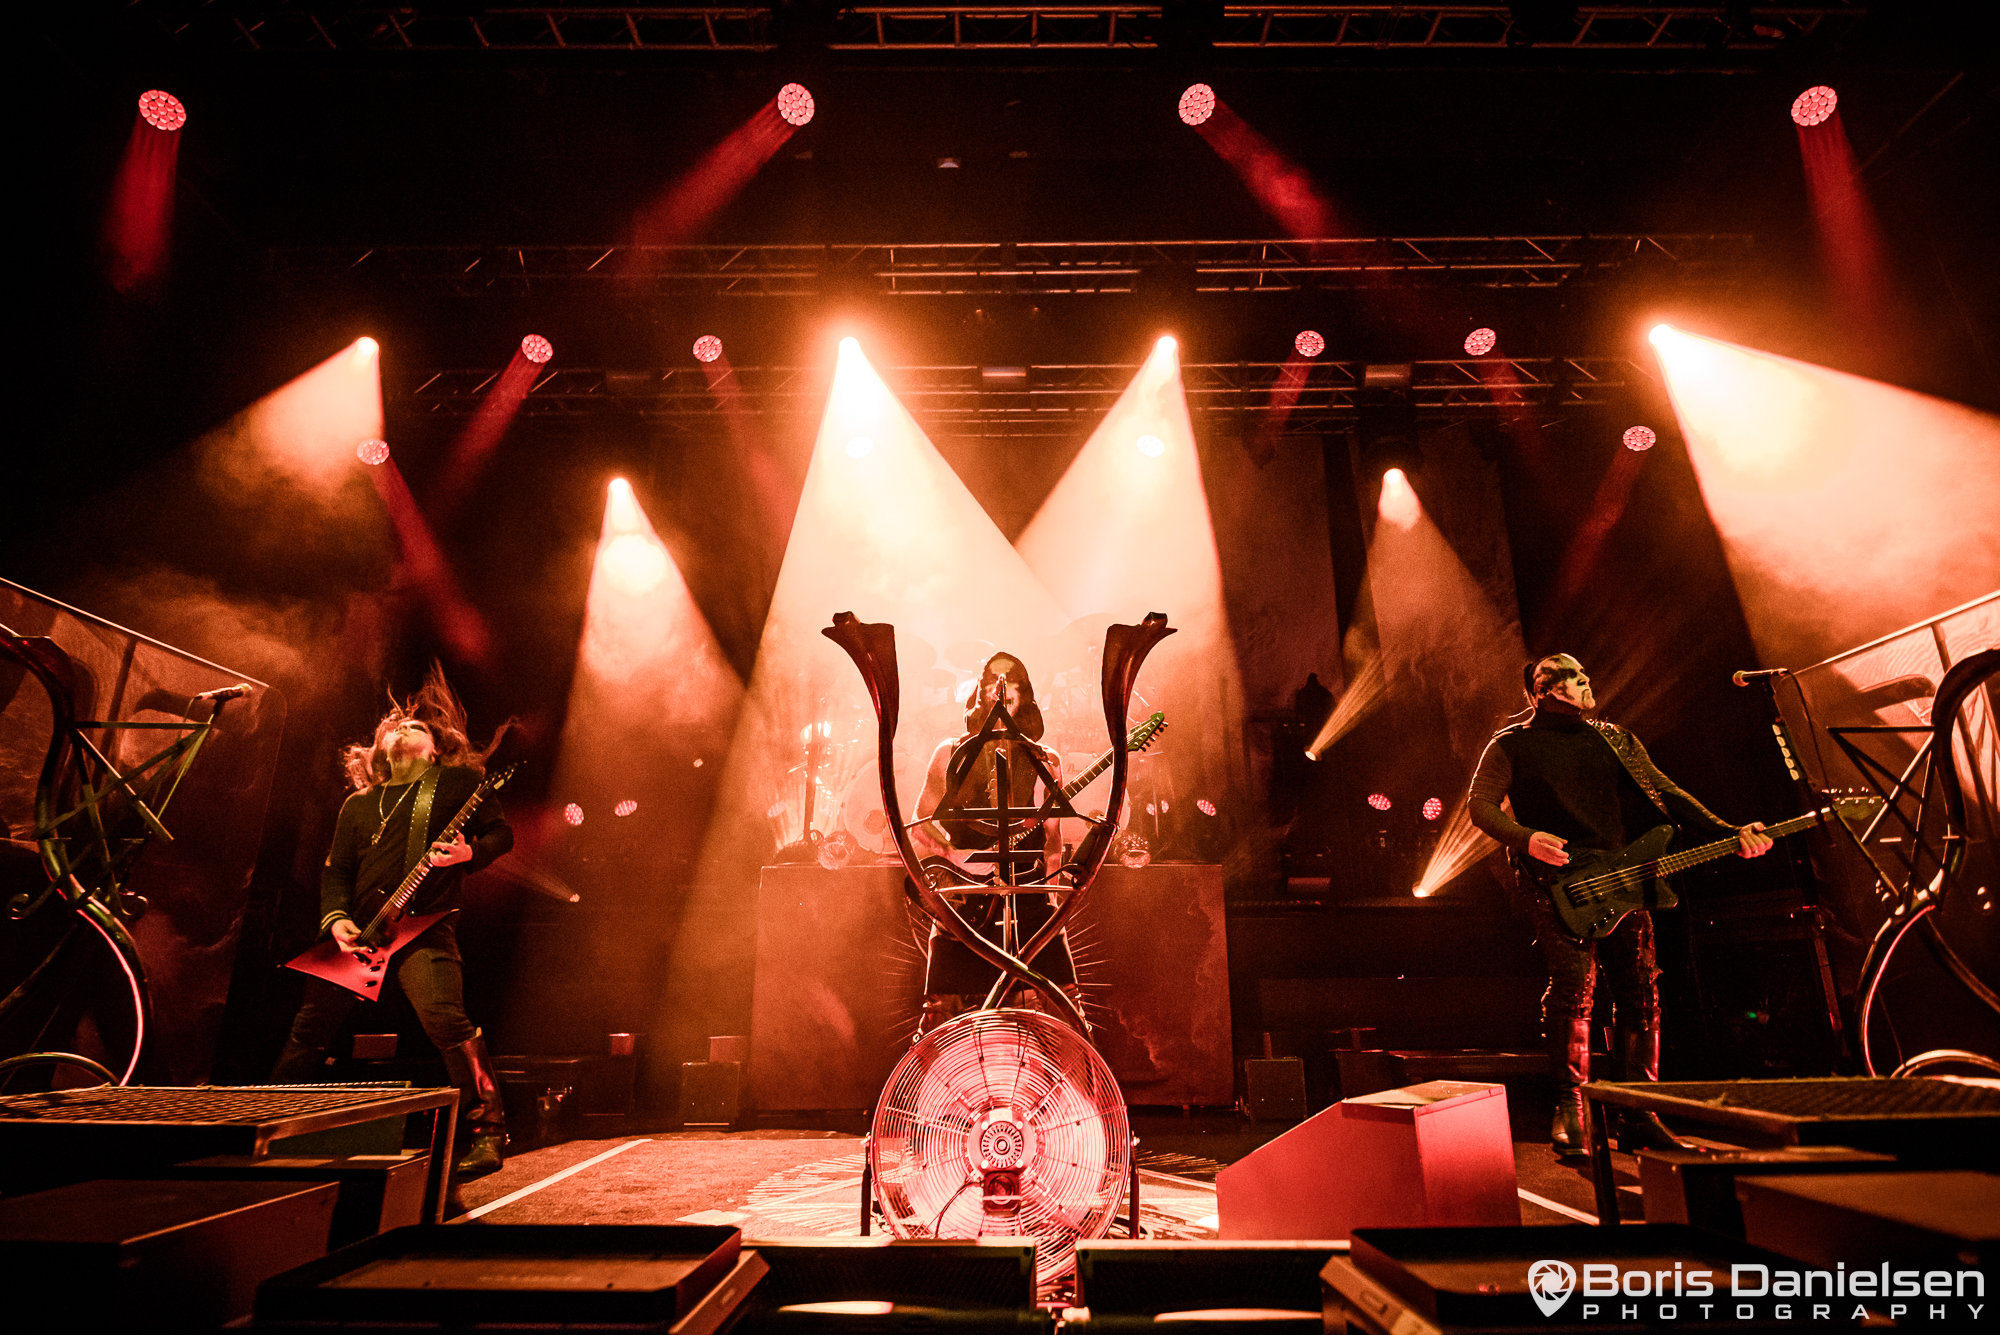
(1197, 104)
(707, 348)
(1165, 343)
(1640, 438)
(1398, 503)
(537, 349)
(573, 814)
(1204, 806)
(634, 563)
(1309, 343)
(628, 806)
(1659, 334)
(860, 447)
(162, 111)
(1152, 446)
(372, 452)
(365, 349)
(1813, 106)
(1480, 342)
(795, 104)
(1433, 808)
(1380, 801)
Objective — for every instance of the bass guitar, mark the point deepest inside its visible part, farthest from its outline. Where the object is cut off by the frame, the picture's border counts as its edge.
(1594, 892)
(949, 871)
(393, 926)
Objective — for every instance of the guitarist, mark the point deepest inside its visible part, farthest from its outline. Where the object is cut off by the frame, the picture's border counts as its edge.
(1569, 779)
(420, 763)
(954, 978)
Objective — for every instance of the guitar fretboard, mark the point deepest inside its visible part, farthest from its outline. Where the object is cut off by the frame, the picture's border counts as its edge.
(1594, 887)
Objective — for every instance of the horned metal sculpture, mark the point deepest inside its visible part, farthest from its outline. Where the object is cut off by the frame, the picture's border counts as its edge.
(872, 646)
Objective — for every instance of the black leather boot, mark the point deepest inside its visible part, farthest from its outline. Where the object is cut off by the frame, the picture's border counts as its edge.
(480, 1110)
(1569, 1067)
(298, 1064)
(1639, 1059)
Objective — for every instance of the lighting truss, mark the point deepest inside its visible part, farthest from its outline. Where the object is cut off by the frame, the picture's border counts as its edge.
(1037, 268)
(302, 26)
(1231, 398)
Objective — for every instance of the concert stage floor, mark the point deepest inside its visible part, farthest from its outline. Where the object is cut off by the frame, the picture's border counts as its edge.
(776, 1183)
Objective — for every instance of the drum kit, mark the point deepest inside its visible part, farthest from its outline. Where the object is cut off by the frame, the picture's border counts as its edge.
(828, 806)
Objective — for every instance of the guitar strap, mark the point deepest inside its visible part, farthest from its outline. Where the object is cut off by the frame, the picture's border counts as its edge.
(420, 817)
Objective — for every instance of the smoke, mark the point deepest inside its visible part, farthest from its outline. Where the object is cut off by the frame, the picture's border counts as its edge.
(1847, 508)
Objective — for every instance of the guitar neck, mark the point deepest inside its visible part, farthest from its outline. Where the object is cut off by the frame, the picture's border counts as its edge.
(1082, 781)
(405, 892)
(1694, 857)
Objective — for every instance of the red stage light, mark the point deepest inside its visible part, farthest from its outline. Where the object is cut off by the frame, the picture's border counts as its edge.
(1380, 801)
(1813, 106)
(1206, 807)
(1152, 446)
(1433, 808)
(1309, 343)
(625, 808)
(537, 349)
(372, 452)
(707, 348)
(795, 104)
(573, 814)
(1640, 438)
(1197, 103)
(1480, 342)
(162, 111)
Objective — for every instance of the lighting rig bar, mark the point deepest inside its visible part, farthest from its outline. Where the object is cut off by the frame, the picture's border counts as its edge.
(301, 26)
(1053, 401)
(1035, 268)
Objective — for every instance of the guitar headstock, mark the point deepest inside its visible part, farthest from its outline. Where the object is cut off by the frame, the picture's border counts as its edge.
(1143, 735)
(495, 782)
(1854, 808)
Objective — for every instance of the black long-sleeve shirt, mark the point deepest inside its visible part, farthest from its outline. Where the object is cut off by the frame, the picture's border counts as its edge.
(1588, 782)
(362, 869)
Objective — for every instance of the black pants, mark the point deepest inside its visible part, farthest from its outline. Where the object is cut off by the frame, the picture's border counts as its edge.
(954, 969)
(1626, 956)
(431, 975)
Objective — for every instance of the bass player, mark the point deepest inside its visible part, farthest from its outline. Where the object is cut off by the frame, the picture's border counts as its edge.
(1571, 779)
(420, 769)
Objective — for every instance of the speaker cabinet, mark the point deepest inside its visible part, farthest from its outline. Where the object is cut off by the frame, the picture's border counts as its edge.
(1430, 1155)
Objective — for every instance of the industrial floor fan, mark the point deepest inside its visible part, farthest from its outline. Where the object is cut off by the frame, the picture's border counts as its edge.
(1005, 1121)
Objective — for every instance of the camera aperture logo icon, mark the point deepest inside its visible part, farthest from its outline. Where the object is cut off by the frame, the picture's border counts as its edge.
(1550, 1283)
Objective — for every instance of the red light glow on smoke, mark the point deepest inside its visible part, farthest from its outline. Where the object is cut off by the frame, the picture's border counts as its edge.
(795, 104)
(1433, 808)
(1197, 104)
(1309, 343)
(372, 452)
(1813, 106)
(707, 348)
(625, 808)
(1640, 438)
(537, 349)
(1380, 801)
(1480, 342)
(573, 814)
(163, 111)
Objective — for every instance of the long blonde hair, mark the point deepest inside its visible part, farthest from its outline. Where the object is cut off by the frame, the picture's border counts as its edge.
(435, 706)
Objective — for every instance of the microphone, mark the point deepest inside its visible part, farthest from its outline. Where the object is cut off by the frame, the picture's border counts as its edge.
(221, 693)
(1744, 676)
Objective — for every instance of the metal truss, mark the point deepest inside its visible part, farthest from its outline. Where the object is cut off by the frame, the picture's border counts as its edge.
(1036, 268)
(1230, 398)
(304, 26)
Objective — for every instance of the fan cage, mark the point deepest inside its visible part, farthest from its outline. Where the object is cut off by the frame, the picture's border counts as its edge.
(989, 1096)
